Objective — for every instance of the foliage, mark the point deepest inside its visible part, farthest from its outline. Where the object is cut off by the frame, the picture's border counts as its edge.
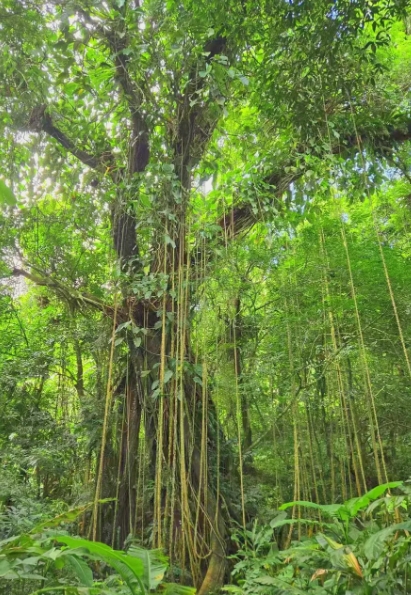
(80, 566)
(204, 274)
(364, 549)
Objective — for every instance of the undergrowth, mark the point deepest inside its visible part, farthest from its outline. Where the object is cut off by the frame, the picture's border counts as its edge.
(361, 547)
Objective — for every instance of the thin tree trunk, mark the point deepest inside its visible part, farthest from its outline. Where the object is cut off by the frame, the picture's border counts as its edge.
(245, 408)
(79, 383)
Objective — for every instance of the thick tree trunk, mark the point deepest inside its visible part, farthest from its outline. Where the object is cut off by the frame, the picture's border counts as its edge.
(187, 457)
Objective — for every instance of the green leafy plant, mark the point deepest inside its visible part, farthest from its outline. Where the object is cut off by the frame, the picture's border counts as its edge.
(130, 569)
(154, 564)
(364, 549)
(60, 562)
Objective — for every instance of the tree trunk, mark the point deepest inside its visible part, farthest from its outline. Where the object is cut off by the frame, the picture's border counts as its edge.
(128, 457)
(178, 416)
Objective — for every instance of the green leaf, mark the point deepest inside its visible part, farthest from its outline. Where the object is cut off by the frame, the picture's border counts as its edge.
(155, 564)
(82, 570)
(333, 544)
(381, 489)
(168, 374)
(266, 580)
(170, 241)
(145, 201)
(130, 569)
(123, 325)
(6, 195)
(348, 509)
(354, 505)
(66, 517)
(374, 545)
(281, 517)
(5, 567)
(328, 509)
(53, 553)
(310, 522)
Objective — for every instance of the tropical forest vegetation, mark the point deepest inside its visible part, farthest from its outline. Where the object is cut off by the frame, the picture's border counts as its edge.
(205, 297)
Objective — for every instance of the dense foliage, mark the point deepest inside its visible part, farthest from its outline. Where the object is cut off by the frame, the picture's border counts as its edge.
(360, 546)
(204, 296)
(59, 562)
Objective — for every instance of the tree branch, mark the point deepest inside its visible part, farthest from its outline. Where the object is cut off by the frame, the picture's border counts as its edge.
(41, 121)
(391, 135)
(140, 151)
(74, 298)
(241, 218)
(191, 112)
(123, 220)
(117, 43)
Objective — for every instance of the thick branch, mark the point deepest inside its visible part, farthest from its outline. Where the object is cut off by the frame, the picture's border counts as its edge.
(69, 295)
(123, 220)
(123, 223)
(65, 142)
(193, 128)
(130, 310)
(389, 137)
(241, 217)
(139, 149)
(41, 121)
